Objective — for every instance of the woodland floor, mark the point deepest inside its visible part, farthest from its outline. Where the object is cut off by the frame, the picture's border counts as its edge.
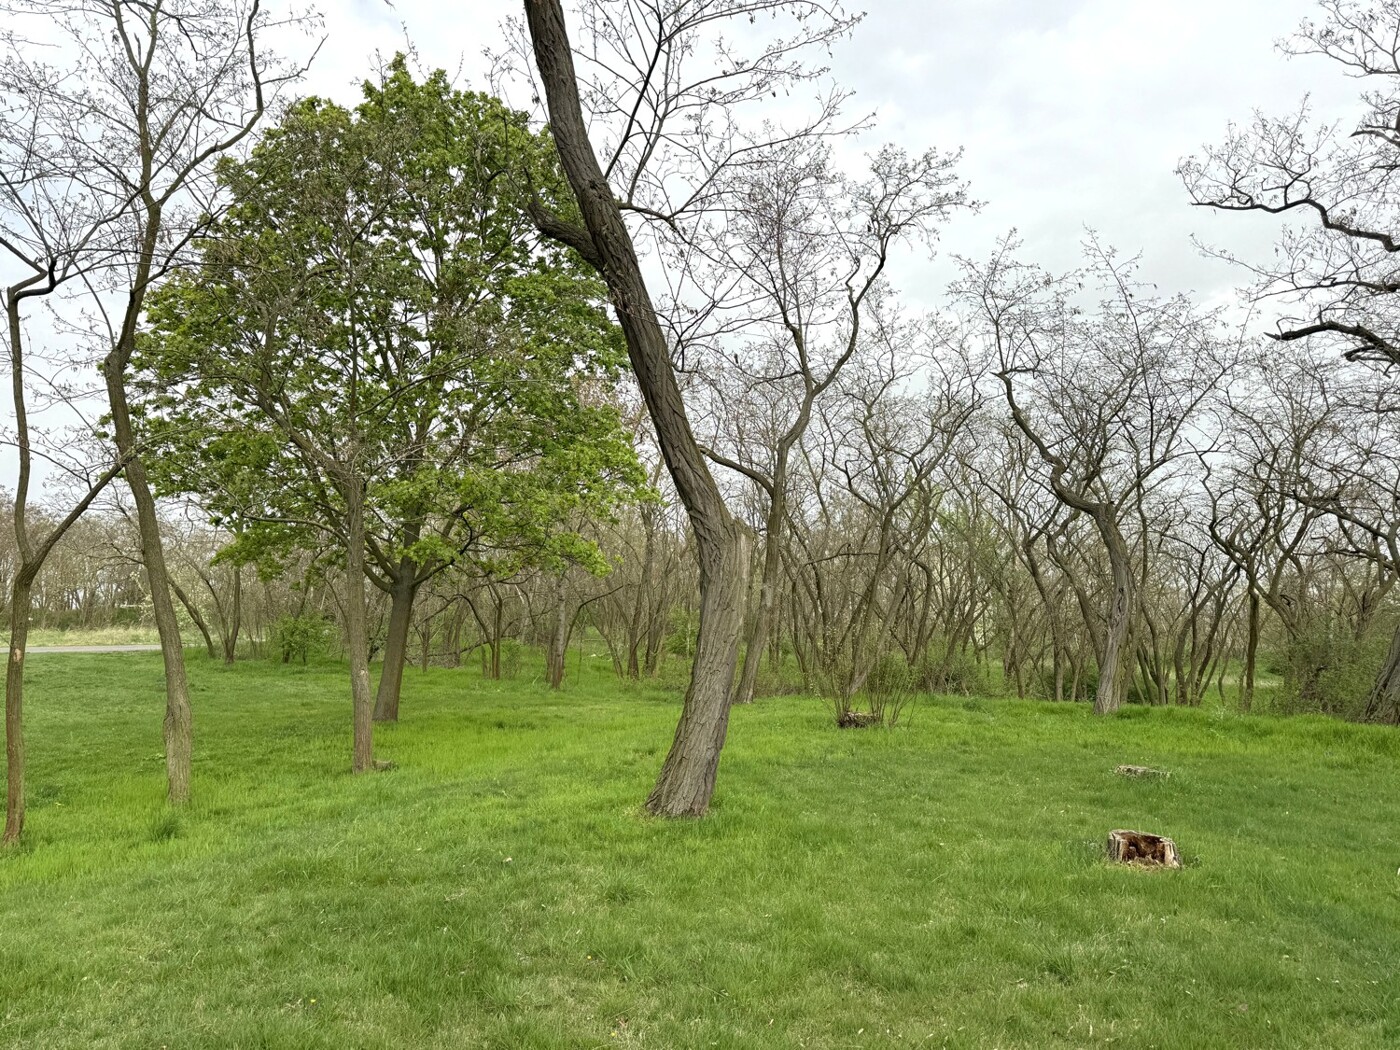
(936, 885)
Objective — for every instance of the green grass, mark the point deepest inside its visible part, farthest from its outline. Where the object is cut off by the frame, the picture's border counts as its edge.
(117, 635)
(940, 885)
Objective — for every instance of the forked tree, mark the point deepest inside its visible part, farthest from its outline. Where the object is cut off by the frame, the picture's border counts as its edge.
(153, 94)
(665, 87)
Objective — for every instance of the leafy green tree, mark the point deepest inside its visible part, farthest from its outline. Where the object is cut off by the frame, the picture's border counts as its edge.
(377, 348)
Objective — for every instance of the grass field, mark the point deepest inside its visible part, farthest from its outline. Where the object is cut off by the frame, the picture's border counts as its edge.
(936, 885)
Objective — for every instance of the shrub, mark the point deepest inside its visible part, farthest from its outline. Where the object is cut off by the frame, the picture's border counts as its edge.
(297, 637)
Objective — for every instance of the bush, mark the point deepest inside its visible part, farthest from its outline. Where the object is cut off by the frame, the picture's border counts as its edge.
(1327, 670)
(953, 671)
(298, 637)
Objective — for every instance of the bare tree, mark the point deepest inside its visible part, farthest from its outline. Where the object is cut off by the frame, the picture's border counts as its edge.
(155, 94)
(1335, 273)
(804, 260)
(670, 139)
(1108, 400)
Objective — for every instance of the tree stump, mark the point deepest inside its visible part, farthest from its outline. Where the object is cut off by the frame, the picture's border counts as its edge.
(856, 720)
(1140, 771)
(1140, 847)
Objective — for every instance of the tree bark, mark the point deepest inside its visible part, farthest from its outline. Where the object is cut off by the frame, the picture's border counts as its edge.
(556, 654)
(1384, 702)
(767, 595)
(21, 594)
(403, 589)
(235, 618)
(357, 627)
(1251, 652)
(179, 721)
(687, 777)
(196, 616)
(1109, 696)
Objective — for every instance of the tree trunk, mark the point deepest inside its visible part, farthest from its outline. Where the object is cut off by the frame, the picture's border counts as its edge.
(20, 602)
(1251, 652)
(1109, 696)
(235, 618)
(402, 592)
(196, 616)
(556, 653)
(687, 777)
(357, 628)
(1384, 702)
(767, 595)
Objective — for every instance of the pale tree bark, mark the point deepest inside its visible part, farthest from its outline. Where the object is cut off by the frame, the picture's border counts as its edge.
(357, 624)
(687, 778)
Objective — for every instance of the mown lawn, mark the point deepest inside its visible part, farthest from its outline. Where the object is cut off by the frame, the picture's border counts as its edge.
(936, 885)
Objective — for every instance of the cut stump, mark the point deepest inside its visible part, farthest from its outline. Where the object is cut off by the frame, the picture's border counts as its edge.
(1140, 847)
(1140, 771)
(856, 720)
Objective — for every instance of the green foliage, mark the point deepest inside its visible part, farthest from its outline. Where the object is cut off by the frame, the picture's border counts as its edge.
(376, 312)
(682, 630)
(944, 884)
(952, 669)
(299, 637)
(1328, 670)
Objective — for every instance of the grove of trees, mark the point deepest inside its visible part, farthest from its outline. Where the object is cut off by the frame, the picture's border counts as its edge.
(434, 379)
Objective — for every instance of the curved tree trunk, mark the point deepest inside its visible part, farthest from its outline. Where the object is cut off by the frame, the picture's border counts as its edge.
(688, 775)
(196, 616)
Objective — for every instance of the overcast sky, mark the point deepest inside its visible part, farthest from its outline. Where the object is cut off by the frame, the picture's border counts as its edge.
(1071, 112)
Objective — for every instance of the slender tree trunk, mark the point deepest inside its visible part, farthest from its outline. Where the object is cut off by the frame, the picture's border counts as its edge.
(402, 591)
(179, 719)
(556, 653)
(767, 594)
(196, 616)
(687, 777)
(1109, 696)
(357, 628)
(235, 619)
(1384, 702)
(21, 594)
(1251, 652)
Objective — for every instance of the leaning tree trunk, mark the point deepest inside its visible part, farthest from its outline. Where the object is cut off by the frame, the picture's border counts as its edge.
(196, 616)
(1109, 696)
(402, 592)
(179, 720)
(687, 777)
